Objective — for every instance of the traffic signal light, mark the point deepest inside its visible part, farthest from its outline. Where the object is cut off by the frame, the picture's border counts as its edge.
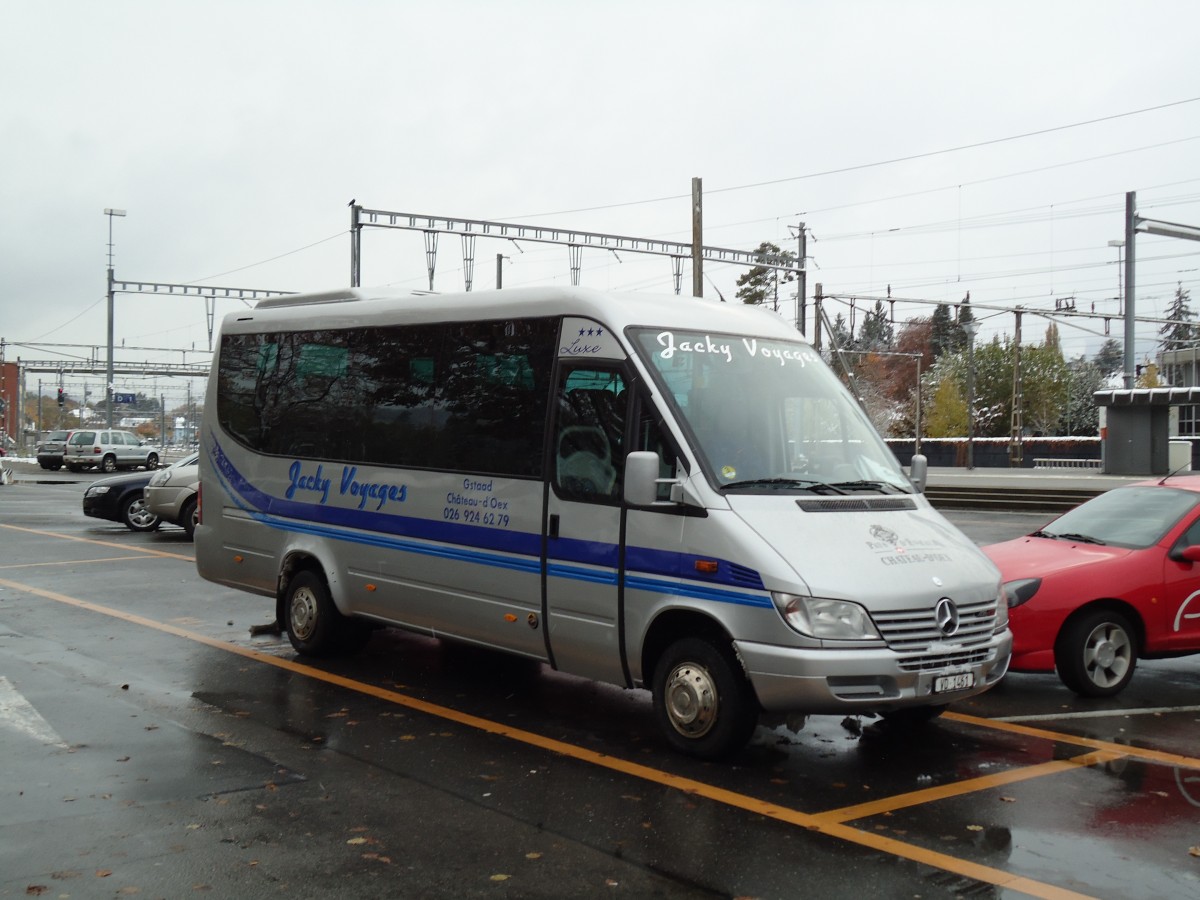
(60, 397)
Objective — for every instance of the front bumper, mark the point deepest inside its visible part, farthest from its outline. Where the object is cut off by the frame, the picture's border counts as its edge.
(827, 682)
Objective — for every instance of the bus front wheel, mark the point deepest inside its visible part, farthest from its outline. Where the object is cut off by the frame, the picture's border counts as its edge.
(704, 705)
(314, 625)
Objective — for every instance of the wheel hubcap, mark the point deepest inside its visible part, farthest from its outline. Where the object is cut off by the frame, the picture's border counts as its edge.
(139, 515)
(690, 698)
(1107, 654)
(304, 613)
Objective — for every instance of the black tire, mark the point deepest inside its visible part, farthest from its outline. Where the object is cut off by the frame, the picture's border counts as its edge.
(109, 463)
(1096, 653)
(187, 517)
(135, 516)
(703, 703)
(313, 623)
(54, 467)
(152, 461)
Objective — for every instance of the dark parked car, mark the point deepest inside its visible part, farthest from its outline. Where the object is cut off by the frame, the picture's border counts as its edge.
(120, 499)
(50, 451)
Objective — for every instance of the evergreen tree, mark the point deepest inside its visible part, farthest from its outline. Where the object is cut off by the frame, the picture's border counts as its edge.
(959, 336)
(1110, 358)
(760, 284)
(876, 332)
(1179, 331)
(942, 333)
(841, 337)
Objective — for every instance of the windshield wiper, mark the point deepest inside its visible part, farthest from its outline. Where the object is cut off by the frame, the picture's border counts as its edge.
(881, 486)
(1044, 534)
(806, 484)
(1082, 538)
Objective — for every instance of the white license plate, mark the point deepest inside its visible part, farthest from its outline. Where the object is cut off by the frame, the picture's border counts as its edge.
(953, 682)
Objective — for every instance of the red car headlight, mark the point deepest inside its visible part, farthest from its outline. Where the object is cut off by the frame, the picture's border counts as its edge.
(1021, 590)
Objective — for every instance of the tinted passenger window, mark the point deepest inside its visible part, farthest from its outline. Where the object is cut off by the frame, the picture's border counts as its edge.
(460, 396)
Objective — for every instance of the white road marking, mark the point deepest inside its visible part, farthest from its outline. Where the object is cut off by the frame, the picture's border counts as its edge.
(1099, 714)
(18, 713)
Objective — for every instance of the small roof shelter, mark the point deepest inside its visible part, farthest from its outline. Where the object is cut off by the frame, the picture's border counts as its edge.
(1135, 439)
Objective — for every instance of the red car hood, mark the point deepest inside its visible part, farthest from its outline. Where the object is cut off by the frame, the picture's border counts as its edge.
(1030, 557)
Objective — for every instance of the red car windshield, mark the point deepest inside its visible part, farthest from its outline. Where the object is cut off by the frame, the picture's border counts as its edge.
(1128, 517)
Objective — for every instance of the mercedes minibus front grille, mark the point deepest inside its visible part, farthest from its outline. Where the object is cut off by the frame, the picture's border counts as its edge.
(913, 631)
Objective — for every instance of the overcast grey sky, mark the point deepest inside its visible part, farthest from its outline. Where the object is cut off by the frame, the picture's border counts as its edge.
(235, 134)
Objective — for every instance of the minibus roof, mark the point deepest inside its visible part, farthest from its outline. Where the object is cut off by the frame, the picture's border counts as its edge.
(388, 305)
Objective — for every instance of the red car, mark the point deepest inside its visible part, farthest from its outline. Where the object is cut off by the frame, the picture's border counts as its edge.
(1115, 579)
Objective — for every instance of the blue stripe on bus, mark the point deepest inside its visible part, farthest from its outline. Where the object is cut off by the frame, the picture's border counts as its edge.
(471, 544)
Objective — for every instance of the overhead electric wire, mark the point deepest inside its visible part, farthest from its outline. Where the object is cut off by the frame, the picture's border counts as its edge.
(861, 166)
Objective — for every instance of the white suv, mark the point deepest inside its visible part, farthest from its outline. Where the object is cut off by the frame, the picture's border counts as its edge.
(107, 450)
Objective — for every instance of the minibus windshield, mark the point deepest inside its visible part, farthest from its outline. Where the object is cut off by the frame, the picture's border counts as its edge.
(767, 415)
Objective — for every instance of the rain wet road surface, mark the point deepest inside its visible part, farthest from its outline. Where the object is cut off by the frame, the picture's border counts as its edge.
(151, 745)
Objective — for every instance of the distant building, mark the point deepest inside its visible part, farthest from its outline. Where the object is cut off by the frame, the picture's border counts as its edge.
(1181, 368)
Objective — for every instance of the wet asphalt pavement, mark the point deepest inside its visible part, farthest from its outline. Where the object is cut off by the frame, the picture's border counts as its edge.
(150, 746)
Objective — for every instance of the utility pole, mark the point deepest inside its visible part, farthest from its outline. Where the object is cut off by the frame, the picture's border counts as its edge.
(108, 381)
(1015, 454)
(1130, 292)
(802, 281)
(697, 239)
(817, 318)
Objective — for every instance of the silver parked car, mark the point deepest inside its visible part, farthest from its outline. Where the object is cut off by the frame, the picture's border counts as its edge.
(51, 449)
(108, 450)
(171, 493)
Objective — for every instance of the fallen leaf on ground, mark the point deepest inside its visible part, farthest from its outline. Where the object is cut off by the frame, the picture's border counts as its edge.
(499, 877)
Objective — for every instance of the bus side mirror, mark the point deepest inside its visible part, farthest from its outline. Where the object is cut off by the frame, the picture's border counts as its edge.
(641, 478)
(918, 472)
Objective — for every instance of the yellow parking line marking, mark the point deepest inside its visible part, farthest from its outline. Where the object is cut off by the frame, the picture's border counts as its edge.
(966, 786)
(148, 551)
(1100, 714)
(808, 821)
(1142, 753)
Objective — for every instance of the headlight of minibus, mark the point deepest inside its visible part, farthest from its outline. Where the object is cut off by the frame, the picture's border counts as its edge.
(1001, 611)
(830, 620)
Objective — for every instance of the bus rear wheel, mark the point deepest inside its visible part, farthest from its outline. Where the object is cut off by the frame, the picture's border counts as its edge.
(314, 625)
(704, 705)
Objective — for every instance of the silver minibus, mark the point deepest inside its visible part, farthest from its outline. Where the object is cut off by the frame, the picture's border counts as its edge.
(660, 492)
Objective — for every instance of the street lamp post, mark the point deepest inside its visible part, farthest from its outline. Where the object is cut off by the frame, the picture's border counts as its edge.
(109, 374)
(970, 327)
